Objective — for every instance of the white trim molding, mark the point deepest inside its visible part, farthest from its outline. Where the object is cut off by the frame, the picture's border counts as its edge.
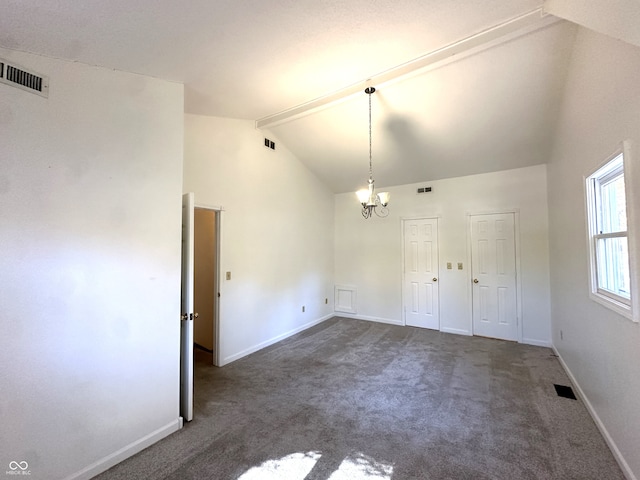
(118, 456)
(594, 415)
(627, 308)
(390, 321)
(345, 299)
(271, 341)
(456, 331)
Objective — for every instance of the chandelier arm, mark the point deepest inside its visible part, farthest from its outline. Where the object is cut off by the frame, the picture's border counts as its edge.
(383, 212)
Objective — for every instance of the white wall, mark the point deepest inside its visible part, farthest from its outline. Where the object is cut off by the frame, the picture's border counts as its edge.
(277, 232)
(600, 348)
(369, 252)
(90, 184)
(616, 18)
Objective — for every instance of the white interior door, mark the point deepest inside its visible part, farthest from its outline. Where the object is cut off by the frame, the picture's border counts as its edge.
(493, 270)
(420, 289)
(186, 320)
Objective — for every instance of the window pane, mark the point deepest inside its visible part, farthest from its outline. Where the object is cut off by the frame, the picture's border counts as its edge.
(613, 206)
(613, 265)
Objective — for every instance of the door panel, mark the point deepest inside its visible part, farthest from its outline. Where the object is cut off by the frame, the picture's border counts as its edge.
(186, 322)
(421, 308)
(493, 265)
(428, 298)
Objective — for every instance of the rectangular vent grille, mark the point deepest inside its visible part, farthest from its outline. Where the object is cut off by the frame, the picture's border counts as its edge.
(269, 144)
(423, 190)
(16, 76)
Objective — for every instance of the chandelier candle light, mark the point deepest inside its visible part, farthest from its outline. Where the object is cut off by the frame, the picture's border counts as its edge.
(367, 196)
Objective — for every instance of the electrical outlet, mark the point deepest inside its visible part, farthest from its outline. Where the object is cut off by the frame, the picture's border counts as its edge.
(449, 266)
(459, 265)
(228, 275)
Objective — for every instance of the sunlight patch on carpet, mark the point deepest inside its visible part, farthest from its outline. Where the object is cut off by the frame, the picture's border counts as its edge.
(292, 467)
(362, 467)
(298, 465)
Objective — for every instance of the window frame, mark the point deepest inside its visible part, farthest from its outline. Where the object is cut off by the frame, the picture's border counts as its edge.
(593, 182)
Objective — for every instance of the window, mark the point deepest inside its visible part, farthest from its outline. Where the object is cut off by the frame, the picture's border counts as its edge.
(608, 238)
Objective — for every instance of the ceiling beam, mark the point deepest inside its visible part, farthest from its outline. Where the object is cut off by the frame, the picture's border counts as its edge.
(496, 35)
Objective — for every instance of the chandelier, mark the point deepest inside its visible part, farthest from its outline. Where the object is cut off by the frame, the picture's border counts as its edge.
(372, 202)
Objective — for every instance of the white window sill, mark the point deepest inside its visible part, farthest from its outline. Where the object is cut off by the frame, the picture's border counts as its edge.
(611, 304)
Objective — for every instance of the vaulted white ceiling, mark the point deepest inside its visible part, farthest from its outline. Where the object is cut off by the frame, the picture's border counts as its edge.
(491, 106)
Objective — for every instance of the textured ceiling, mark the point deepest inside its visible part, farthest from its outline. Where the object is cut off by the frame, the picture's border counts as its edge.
(488, 110)
(491, 111)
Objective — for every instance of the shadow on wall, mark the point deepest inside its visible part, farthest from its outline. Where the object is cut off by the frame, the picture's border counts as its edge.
(407, 143)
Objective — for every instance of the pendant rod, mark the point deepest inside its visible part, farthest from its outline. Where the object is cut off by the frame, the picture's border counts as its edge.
(369, 91)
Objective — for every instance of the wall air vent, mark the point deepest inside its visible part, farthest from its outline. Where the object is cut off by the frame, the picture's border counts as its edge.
(16, 76)
(269, 144)
(422, 190)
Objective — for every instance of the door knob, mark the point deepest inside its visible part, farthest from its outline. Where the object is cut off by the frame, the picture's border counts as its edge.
(435, 279)
(475, 280)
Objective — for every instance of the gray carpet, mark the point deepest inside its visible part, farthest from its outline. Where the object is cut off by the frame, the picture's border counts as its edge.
(361, 400)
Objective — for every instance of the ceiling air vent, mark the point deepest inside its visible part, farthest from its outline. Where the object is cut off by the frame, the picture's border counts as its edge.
(422, 190)
(16, 76)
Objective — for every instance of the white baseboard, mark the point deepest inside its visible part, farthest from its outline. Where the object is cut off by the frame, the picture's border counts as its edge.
(390, 321)
(456, 331)
(603, 430)
(537, 343)
(260, 346)
(369, 319)
(109, 461)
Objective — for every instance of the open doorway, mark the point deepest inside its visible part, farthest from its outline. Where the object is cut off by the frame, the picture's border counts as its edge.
(205, 293)
(199, 334)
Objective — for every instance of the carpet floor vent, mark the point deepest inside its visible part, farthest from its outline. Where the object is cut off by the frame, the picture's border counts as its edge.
(564, 391)
(16, 76)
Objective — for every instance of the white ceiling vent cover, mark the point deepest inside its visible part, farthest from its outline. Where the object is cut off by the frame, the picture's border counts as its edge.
(17, 76)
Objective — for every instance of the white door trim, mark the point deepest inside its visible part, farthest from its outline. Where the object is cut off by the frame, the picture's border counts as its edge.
(516, 226)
